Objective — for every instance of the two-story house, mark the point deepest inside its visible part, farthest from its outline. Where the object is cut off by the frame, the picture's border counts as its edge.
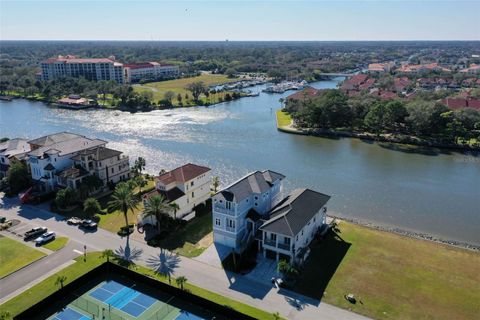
(187, 186)
(238, 208)
(292, 225)
(12, 150)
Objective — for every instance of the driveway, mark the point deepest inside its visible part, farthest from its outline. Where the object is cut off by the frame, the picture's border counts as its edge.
(241, 288)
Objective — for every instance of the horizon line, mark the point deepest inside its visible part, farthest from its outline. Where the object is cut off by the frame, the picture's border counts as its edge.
(263, 40)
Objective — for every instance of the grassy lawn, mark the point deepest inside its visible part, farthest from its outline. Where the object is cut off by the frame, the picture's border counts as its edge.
(178, 86)
(194, 238)
(15, 255)
(56, 244)
(283, 118)
(393, 276)
(40, 291)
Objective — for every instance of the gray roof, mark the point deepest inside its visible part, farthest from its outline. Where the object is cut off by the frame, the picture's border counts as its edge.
(14, 147)
(255, 182)
(54, 138)
(68, 146)
(99, 153)
(294, 212)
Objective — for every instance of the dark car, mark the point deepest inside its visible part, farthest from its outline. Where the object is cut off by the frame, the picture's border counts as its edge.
(88, 225)
(34, 233)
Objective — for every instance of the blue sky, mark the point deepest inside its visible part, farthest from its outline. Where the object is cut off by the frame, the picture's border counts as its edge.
(240, 20)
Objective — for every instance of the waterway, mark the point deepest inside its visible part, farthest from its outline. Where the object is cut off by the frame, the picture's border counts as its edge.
(423, 190)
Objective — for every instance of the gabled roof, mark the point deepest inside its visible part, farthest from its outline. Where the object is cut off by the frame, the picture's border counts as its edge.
(182, 174)
(14, 147)
(308, 92)
(100, 153)
(255, 182)
(68, 146)
(170, 195)
(49, 167)
(294, 212)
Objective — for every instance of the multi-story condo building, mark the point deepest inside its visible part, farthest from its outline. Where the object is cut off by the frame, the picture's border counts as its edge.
(135, 72)
(253, 209)
(237, 208)
(12, 150)
(187, 186)
(94, 69)
(65, 159)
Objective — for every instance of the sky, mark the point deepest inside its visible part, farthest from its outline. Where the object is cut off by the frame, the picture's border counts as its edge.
(240, 20)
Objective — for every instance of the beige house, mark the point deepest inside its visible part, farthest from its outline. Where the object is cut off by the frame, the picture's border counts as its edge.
(187, 186)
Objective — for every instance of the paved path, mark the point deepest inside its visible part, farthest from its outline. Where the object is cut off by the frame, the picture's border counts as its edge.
(289, 304)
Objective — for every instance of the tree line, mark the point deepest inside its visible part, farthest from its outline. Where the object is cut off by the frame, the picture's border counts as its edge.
(332, 109)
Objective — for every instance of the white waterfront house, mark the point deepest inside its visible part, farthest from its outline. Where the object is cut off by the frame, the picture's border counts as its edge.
(187, 186)
(137, 71)
(64, 159)
(237, 209)
(292, 225)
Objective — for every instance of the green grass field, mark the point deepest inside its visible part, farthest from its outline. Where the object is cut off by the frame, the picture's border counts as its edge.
(395, 277)
(15, 255)
(43, 289)
(56, 244)
(283, 119)
(178, 86)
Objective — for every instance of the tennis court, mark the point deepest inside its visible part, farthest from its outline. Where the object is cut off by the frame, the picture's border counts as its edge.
(123, 298)
(70, 314)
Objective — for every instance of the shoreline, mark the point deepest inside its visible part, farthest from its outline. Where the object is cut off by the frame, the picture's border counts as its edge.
(385, 138)
(408, 233)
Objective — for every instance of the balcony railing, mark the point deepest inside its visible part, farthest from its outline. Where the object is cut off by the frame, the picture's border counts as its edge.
(230, 229)
(224, 210)
(270, 243)
(284, 246)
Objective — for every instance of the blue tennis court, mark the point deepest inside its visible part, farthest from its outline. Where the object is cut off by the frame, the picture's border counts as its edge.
(184, 315)
(123, 298)
(70, 314)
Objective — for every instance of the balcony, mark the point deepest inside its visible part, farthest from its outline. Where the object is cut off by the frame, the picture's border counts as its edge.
(230, 229)
(224, 210)
(284, 246)
(271, 243)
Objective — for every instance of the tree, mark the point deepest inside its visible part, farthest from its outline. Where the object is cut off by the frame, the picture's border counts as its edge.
(140, 182)
(5, 315)
(17, 177)
(157, 206)
(91, 206)
(215, 183)
(108, 253)
(174, 207)
(168, 96)
(276, 316)
(60, 280)
(123, 200)
(286, 269)
(139, 165)
(230, 72)
(424, 117)
(196, 88)
(65, 197)
(179, 98)
(181, 281)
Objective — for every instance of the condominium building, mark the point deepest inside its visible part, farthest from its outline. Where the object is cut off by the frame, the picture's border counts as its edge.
(135, 72)
(95, 69)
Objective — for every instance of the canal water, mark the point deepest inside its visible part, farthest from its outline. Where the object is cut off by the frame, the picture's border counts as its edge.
(430, 191)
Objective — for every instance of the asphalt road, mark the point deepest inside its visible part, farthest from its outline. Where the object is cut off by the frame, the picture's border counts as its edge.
(289, 304)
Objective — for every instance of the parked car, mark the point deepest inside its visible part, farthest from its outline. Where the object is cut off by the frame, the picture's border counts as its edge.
(46, 237)
(74, 221)
(88, 224)
(35, 232)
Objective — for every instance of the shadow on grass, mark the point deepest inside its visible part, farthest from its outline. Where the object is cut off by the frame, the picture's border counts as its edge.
(164, 263)
(324, 260)
(126, 256)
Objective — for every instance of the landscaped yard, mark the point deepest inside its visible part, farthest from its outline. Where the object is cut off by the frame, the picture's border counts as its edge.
(283, 119)
(179, 86)
(40, 291)
(194, 238)
(393, 277)
(56, 244)
(15, 255)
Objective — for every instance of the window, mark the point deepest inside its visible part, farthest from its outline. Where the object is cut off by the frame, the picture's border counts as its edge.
(286, 241)
(193, 194)
(302, 232)
(256, 204)
(111, 170)
(314, 219)
(231, 223)
(296, 238)
(256, 197)
(217, 222)
(273, 237)
(191, 184)
(228, 205)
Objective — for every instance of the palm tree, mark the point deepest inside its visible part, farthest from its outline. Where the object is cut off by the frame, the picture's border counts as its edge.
(156, 206)
(174, 207)
(140, 182)
(60, 280)
(123, 200)
(216, 183)
(181, 281)
(108, 253)
(91, 206)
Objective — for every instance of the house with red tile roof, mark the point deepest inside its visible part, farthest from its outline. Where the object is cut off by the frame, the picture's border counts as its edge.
(473, 69)
(458, 103)
(413, 68)
(400, 84)
(187, 186)
(307, 93)
(380, 67)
